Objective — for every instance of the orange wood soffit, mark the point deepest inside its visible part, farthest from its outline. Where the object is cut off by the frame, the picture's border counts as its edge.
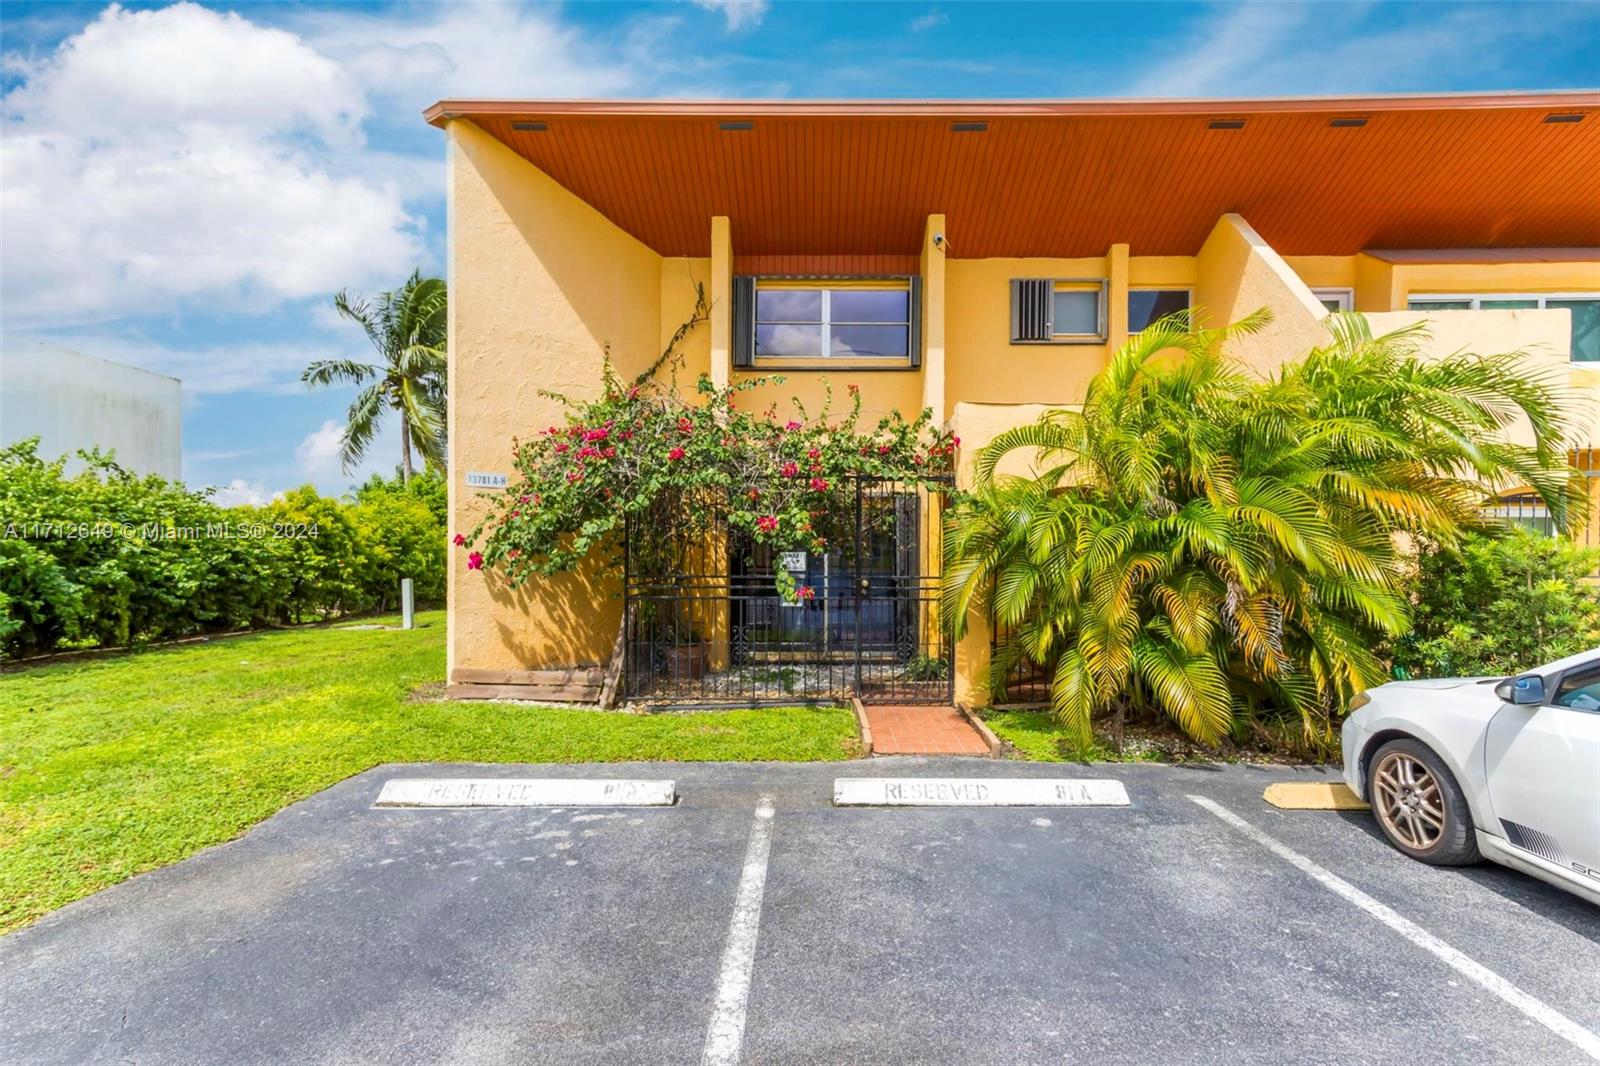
(839, 181)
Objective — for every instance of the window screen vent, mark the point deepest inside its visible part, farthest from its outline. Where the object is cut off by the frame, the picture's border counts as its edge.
(1031, 305)
(530, 127)
(1225, 124)
(1563, 118)
(968, 127)
(1348, 123)
(733, 127)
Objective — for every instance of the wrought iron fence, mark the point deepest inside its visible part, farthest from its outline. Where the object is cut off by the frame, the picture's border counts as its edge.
(706, 625)
(1526, 509)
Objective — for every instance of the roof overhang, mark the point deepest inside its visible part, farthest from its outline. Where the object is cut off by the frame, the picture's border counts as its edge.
(1314, 175)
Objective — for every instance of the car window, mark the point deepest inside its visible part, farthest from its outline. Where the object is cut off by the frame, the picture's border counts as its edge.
(1580, 690)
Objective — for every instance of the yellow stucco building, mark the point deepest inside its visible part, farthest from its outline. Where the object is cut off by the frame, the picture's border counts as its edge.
(980, 259)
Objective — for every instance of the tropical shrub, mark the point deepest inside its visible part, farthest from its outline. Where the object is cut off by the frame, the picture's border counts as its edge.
(1500, 605)
(642, 449)
(1226, 550)
(105, 557)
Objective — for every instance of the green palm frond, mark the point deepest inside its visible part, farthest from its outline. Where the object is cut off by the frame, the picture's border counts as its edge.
(1203, 543)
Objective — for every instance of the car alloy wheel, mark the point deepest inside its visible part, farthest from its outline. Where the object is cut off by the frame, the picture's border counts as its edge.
(1408, 801)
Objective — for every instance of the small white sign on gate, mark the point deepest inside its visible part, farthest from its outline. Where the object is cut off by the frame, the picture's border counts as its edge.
(525, 792)
(977, 792)
(794, 562)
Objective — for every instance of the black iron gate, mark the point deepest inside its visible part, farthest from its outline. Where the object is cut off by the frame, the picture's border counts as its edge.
(706, 625)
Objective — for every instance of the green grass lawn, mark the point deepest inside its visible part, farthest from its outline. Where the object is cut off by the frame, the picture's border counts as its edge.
(112, 766)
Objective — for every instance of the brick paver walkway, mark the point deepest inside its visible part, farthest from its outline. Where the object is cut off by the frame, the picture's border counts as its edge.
(922, 731)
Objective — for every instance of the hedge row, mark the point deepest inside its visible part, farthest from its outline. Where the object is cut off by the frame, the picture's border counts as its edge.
(104, 557)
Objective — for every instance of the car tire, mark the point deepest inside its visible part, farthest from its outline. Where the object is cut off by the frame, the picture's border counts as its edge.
(1419, 805)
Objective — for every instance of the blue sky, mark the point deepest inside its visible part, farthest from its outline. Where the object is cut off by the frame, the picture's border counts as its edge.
(185, 186)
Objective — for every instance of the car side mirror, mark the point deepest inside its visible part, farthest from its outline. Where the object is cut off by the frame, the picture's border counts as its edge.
(1525, 690)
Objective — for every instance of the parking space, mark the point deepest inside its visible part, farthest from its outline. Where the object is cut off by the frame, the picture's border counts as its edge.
(1156, 932)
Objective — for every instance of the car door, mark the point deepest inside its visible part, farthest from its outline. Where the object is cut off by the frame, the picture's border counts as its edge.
(1543, 768)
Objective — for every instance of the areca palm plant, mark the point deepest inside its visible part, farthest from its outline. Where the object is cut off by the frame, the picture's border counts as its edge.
(407, 328)
(1210, 546)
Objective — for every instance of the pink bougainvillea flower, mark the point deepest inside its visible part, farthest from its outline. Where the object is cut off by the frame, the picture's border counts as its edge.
(754, 494)
(791, 426)
(685, 426)
(675, 454)
(806, 592)
(522, 499)
(597, 434)
(538, 498)
(814, 453)
(514, 552)
(475, 561)
(609, 453)
(574, 475)
(562, 449)
(883, 449)
(767, 523)
(790, 469)
(588, 451)
(956, 441)
(626, 434)
(514, 514)
(633, 393)
(819, 484)
(460, 540)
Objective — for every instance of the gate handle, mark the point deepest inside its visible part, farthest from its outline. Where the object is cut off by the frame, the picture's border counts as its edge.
(865, 585)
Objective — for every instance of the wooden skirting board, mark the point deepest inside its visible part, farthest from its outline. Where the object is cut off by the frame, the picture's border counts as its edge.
(580, 685)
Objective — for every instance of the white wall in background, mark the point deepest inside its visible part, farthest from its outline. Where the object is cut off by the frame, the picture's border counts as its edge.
(71, 400)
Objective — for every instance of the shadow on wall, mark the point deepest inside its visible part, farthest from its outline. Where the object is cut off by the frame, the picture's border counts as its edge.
(562, 621)
(607, 284)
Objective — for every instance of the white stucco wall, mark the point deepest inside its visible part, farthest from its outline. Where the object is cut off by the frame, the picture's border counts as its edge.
(71, 400)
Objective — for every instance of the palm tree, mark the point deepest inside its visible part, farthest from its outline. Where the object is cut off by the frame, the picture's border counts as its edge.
(407, 327)
(1200, 544)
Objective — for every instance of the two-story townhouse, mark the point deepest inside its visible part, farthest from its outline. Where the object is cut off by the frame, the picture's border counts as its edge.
(978, 258)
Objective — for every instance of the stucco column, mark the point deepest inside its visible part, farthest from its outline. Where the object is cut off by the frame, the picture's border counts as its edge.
(721, 297)
(1116, 297)
(933, 320)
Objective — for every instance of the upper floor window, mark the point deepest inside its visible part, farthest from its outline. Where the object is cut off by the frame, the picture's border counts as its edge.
(863, 322)
(1584, 307)
(1336, 299)
(868, 323)
(1150, 305)
(1058, 311)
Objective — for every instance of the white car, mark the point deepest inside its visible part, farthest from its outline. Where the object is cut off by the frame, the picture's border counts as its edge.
(1459, 769)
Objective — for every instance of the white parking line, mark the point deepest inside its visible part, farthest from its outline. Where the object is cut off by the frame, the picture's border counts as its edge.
(1541, 1012)
(725, 1034)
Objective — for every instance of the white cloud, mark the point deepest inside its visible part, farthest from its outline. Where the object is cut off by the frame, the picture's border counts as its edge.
(240, 492)
(740, 14)
(252, 366)
(1284, 49)
(181, 156)
(318, 453)
(477, 50)
(931, 20)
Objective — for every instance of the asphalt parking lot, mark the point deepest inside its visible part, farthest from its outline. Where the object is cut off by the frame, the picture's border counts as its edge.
(1155, 933)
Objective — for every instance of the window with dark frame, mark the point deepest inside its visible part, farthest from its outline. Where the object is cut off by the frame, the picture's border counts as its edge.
(1058, 311)
(855, 322)
(1146, 306)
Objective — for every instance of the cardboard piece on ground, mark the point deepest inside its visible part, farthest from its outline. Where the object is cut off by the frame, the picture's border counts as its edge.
(525, 792)
(1313, 796)
(977, 792)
